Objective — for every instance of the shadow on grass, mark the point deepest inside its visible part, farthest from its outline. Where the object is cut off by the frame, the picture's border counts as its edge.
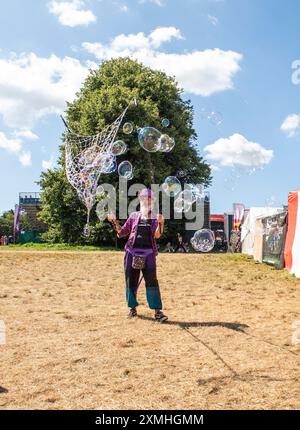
(244, 377)
(3, 390)
(186, 324)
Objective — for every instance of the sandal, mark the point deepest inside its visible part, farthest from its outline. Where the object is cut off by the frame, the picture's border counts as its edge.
(160, 316)
(132, 313)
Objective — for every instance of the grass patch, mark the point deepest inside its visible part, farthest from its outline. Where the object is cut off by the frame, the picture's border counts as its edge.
(59, 247)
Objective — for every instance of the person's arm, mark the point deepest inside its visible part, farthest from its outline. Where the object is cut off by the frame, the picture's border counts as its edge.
(160, 228)
(122, 231)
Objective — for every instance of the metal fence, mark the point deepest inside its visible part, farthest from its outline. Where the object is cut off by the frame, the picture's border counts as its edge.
(29, 198)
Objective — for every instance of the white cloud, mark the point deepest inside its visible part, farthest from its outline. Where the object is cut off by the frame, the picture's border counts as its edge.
(123, 7)
(198, 72)
(48, 164)
(291, 125)
(32, 87)
(26, 134)
(238, 151)
(72, 13)
(25, 158)
(14, 146)
(10, 145)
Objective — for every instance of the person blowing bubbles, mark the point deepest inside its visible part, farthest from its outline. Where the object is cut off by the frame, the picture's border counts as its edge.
(142, 230)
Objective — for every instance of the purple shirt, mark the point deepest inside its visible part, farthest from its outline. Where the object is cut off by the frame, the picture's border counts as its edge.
(130, 229)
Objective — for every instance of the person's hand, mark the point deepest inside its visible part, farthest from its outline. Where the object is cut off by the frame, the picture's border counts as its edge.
(111, 218)
(160, 218)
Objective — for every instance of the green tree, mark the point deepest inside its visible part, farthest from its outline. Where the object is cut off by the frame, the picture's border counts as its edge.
(103, 96)
(7, 223)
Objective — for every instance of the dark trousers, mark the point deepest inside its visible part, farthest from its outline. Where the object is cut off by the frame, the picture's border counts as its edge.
(132, 278)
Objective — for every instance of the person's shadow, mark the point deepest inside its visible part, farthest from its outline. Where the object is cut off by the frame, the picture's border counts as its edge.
(186, 324)
(3, 390)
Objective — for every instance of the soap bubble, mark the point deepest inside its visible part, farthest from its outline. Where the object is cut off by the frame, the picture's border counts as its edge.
(125, 170)
(167, 143)
(128, 128)
(88, 168)
(130, 177)
(197, 193)
(181, 205)
(181, 174)
(171, 186)
(100, 191)
(149, 139)
(272, 202)
(165, 122)
(184, 201)
(118, 148)
(86, 231)
(203, 240)
(188, 196)
(108, 163)
(216, 118)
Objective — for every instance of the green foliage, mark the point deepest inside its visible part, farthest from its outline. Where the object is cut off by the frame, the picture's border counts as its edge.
(7, 223)
(104, 95)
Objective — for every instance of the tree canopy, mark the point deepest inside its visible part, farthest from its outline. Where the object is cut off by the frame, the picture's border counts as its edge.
(102, 97)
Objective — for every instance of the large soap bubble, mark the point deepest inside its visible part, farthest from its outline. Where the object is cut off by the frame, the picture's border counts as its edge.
(149, 139)
(125, 170)
(171, 186)
(167, 143)
(203, 240)
(118, 148)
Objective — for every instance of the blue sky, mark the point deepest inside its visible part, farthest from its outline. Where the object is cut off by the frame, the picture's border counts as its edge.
(232, 57)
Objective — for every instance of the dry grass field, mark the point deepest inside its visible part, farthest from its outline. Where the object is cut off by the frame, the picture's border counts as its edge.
(228, 343)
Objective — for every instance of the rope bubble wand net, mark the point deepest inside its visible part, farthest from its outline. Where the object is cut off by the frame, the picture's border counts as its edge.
(87, 157)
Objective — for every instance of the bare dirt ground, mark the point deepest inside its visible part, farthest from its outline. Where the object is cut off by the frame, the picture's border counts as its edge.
(69, 345)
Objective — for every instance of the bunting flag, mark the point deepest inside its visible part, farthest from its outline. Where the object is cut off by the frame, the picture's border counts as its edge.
(17, 220)
(238, 211)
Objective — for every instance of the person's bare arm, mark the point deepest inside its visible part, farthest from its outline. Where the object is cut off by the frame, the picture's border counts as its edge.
(121, 231)
(160, 228)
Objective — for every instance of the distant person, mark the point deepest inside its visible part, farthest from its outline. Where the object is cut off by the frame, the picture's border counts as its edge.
(169, 247)
(179, 244)
(235, 241)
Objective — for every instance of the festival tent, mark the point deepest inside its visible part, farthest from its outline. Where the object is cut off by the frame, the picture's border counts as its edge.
(269, 239)
(292, 243)
(258, 241)
(274, 235)
(248, 227)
